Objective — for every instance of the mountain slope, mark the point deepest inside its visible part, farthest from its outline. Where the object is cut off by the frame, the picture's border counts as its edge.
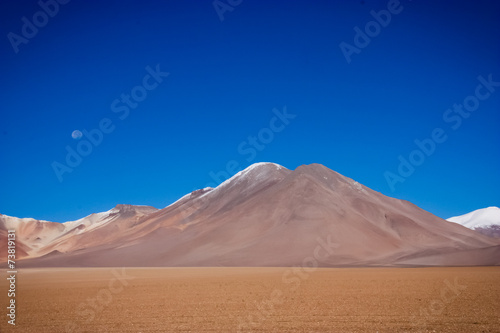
(267, 215)
(38, 238)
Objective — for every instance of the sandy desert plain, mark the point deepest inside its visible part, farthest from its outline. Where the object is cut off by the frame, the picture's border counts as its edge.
(439, 299)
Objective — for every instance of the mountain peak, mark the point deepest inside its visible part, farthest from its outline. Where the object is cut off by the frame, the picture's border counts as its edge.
(123, 208)
(478, 218)
(257, 171)
(265, 165)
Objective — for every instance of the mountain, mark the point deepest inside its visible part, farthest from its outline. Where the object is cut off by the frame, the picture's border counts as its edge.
(479, 218)
(485, 221)
(37, 237)
(265, 215)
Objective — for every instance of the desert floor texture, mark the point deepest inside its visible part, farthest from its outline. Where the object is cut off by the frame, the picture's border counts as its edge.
(461, 299)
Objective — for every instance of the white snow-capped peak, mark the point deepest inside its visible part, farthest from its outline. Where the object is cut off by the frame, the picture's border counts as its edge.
(256, 171)
(248, 170)
(252, 169)
(261, 164)
(479, 218)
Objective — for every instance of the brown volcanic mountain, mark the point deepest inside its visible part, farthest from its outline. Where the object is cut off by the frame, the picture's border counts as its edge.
(265, 215)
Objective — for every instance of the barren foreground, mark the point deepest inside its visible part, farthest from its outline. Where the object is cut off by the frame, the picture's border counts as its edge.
(256, 299)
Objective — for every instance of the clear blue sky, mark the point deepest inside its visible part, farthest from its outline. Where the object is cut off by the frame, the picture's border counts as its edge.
(225, 78)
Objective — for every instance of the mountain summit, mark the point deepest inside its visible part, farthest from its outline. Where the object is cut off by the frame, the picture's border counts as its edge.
(265, 215)
(479, 218)
(485, 220)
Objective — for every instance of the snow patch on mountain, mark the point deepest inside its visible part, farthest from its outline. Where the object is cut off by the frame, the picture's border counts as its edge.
(191, 195)
(254, 174)
(88, 222)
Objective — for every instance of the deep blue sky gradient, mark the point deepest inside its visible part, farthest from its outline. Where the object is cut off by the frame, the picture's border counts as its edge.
(225, 79)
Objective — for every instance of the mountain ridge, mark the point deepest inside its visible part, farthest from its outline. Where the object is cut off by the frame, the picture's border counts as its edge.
(265, 215)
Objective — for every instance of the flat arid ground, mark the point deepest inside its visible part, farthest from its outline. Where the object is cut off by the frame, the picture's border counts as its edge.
(464, 299)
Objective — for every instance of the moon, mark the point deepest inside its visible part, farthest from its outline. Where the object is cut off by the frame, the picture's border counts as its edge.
(76, 134)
